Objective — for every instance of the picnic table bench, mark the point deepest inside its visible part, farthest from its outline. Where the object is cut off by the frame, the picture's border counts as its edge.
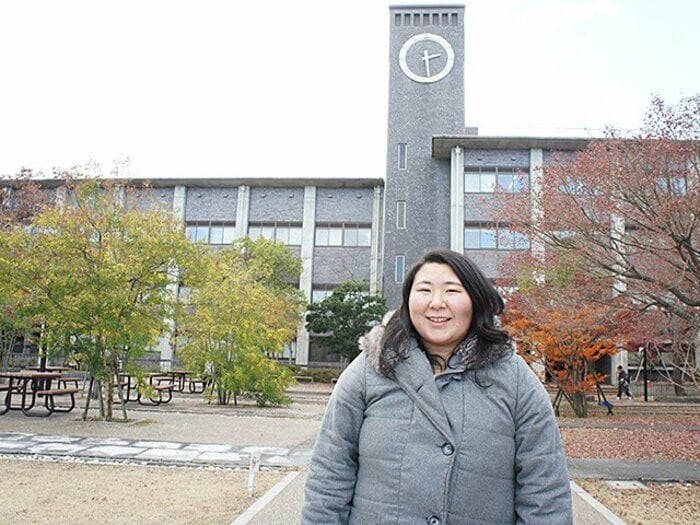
(197, 385)
(607, 404)
(159, 389)
(163, 387)
(51, 394)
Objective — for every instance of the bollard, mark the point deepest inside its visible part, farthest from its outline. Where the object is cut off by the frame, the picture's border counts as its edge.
(252, 470)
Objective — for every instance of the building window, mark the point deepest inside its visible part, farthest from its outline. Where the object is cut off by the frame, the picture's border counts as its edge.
(494, 237)
(318, 295)
(343, 235)
(210, 232)
(489, 181)
(287, 233)
(403, 156)
(675, 185)
(399, 268)
(479, 238)
(576, 186)
(401, 215)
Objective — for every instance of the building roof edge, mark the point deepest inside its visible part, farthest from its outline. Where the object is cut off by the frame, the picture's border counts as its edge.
(442, 144)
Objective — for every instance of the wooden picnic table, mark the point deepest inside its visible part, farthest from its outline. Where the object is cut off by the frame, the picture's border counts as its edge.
(50, 368)
(179, 377)
(30, 385)
(160, 383)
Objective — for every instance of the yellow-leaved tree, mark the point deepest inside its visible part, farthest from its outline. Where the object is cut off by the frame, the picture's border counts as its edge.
(97, 279)
(243, 304)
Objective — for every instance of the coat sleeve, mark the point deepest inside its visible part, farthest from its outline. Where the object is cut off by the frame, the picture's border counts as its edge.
(330, 483)
(542, 491)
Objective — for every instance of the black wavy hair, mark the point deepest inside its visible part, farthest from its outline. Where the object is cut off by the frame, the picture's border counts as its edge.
(486, 305)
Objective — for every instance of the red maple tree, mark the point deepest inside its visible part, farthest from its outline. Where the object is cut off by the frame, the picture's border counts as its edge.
(562, 335)
(625, 212)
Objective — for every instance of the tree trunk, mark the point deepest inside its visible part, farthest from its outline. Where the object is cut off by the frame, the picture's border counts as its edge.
(677, 377)
(100, 399)
(122, 401)
(578, 403)
(557, 401)
(89, 397)
(110, 396)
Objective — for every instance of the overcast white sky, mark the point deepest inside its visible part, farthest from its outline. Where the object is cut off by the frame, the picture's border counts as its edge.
(205, 88)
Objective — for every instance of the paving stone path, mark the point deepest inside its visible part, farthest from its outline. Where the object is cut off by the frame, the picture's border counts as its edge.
(146, 451)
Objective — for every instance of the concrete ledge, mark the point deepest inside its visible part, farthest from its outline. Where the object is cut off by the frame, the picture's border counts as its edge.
(590, 511)
(265, 500)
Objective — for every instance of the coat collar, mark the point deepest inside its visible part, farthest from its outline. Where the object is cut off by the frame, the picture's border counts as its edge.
(415, 377)
(413, 373)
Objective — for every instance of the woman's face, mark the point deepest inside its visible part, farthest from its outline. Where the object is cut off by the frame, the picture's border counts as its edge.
(440, 308)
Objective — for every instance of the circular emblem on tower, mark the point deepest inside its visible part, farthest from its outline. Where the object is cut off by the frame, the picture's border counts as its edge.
(426, 58)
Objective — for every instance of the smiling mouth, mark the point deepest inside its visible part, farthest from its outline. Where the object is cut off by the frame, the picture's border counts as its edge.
(438, 319)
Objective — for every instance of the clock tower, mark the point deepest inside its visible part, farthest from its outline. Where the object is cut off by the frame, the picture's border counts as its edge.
(426, 98)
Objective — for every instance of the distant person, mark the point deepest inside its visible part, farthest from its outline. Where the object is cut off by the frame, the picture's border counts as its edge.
(438, 421)
(623, 383)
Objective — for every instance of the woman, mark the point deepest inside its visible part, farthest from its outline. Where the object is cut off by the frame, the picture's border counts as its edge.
(437, 420)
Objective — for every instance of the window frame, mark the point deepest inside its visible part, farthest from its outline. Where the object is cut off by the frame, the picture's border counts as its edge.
(282, 231)
(201, 232)
(399, 268)
(400, 215)
(495, 236)
(349, 235)
(487, 180)
(402, 153)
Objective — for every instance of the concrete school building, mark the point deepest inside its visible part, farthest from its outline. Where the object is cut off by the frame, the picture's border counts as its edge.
(440, 180)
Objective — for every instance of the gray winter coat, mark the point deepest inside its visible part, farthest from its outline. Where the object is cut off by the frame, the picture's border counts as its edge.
(464, 447)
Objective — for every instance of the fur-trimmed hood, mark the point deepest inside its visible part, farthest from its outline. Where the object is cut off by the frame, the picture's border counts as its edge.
(371, 343)
(384, 359)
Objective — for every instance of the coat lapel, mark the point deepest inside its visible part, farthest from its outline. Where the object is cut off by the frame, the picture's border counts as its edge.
(415, 377)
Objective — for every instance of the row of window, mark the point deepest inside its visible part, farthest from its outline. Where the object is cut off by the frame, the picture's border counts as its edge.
(493, 181)
(319, 294)
(475, 237)
(673, 185)
(288, 234)
(211, 232)
(344, 235)
(494, 238)
(491, 237)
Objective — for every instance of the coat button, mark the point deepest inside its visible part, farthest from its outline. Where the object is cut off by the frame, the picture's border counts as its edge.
(448, 449)
(433, 520)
